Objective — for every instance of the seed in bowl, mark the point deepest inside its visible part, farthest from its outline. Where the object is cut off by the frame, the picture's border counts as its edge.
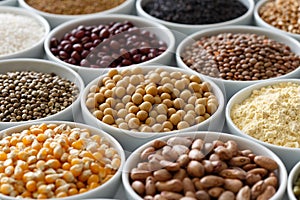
(110, 45)
(30, 95)
(240, 56)
(73, 7)
(282, 14)
(55, 161)
(18, 32)
(194, 11)
(184, 167)
(296, 187)
(271, 114)
(155, 101)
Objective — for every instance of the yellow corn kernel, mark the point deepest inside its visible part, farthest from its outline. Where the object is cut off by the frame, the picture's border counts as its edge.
(58, 151)
(42, 189)
(95, 168)
(78, 144)
(53, 163)
(36, 131)
(84, 176)
(43, 127)
(82, 190)
(31, 186)
(42, 196)
(96, 138)
(72, 191)
(2, 168)
(14, 141)
(22, 155)
(41, 137)
(59, 182)
(80, 185)
(40, 165)
(51, 178)
(93, 185)
(3, 156)
(66, 166)
(27, 140)
(75, 161)
(68, 176)
(33, 152)
(26, 194)
(87, 154)
(6, 188)
(36, 145)
(76, 169)
(98, 156)
(9, 170)
(93, 178)
(42, 154)
(61, 194)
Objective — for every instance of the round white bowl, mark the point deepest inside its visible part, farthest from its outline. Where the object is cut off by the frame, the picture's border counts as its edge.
(260, 22)
(45, 67)
(182, 30)
(8, 3)
(207, 136)
(131, 140)
(103, 191)
(290, 156)
(35, 51)
(55, 19)
(89, 74)
(231, 87)
(292, 178)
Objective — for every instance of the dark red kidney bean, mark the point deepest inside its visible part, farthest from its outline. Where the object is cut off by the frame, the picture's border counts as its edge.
(78, 47)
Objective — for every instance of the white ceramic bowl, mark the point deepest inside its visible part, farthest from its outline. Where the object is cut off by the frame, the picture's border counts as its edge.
(89, 74)
(230, 86)
(103, 191)
(182, 30)
(292, 178)
(260, 22)
(243, 143)
(290, 156)
(8, 3)
(131, 140)
(36, 50)
(55, 19)
(44, 66)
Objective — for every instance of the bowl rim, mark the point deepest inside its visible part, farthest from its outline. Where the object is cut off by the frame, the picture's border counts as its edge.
(8, 2)
(234, 29)
(247, 14)
(68, 17)
(119, 17)
(259, 20)
(212, 135)
(250, 88)
(111, 139)
(139, 134)
(294, 173)
(39, 19)
(26, 61)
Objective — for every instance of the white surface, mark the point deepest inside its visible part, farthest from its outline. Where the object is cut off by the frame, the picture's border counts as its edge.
(89, 74)
(230, 86)
(290, 156)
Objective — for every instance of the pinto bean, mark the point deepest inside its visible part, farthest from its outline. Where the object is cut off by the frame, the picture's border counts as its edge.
(266, 162)
(173, 185)
(212, 181)
(244, 193)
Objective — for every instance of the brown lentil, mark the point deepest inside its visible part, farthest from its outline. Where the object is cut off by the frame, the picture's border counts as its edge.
(282, 14)
(110, 45)
(30, 95)
(73, 7)
(240, 56)
(191, 167)
(157, 108)
(67, 162)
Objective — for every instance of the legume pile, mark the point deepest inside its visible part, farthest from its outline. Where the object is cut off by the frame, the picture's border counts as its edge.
(271, 114)
(296, 188)
(54, 161)
(240, 56)
(282, 14)
(195, 11)
(189, 168)
(29, 95)
(73, 7)
(18, 33)
(156, 101)
(107, 45)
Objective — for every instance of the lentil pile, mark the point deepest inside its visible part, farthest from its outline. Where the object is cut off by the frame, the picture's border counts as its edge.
(73, 7)
(195, 11)
(240, 56)
(296, 188)
(110, 45)
(54, 161)
(18, 33)
(271, 114)
(29, 95)
(156, 101)
(189, 168)
(282, 14)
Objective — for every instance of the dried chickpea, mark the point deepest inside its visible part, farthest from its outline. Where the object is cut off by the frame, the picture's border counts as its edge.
(142, 101)
(60, 163)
